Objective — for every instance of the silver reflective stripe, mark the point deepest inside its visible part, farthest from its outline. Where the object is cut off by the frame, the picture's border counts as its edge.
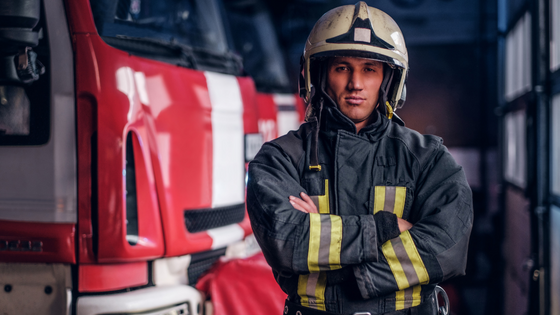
(408, 297)
(311, 287)
(390, 199)
(325, 242)
(406, 264)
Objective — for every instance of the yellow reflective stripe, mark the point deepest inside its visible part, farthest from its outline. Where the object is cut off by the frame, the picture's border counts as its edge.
(415, 258)
(379, 199)
(314, 242)
(408, 298)
(336, 242)
(400, 197)
(302, 289)
(399, 300)
(395, 265)
(325, 242)
(416, 298)
(311, 290)
(320, 291)
(324, 199)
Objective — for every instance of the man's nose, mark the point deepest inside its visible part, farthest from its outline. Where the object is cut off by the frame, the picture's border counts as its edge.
(355, 82)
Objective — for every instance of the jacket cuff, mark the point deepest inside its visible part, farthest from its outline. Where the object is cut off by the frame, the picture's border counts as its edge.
(387, 226)
(369, 235)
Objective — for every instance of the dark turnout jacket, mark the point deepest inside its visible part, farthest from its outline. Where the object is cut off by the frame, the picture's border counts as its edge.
(350, 256)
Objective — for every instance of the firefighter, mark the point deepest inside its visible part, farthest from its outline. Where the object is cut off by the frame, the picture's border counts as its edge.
(355, 213)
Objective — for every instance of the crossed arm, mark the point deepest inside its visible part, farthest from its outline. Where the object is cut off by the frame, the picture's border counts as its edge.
(305, 204)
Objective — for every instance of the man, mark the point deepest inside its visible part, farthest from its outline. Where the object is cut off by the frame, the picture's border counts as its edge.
(355, 213)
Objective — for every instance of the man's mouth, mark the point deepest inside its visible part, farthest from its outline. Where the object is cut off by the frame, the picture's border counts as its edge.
(354, 100)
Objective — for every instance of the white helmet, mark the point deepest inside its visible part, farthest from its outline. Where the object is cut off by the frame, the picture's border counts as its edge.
(359, 31)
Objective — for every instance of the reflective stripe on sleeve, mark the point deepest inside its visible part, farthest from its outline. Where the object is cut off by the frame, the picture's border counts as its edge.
(395, 265)
(314, 242)
(336, 242)
(379, 199)
(325, 242)
(400, 197)
(405, 261)
(390, 198)
(415, 258)
(401, 252)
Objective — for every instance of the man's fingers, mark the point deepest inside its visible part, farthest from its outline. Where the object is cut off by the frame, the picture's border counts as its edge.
(404, 225)
(310, 205)
(305, 205)
(305, 197)
(296, 203)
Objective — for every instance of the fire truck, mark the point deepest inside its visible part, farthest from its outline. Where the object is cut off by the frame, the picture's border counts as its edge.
(125, 130)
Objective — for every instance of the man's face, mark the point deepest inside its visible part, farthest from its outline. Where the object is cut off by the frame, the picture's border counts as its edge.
(353, 83)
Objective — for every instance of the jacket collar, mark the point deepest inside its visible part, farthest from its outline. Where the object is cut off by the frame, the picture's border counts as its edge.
(332, 121)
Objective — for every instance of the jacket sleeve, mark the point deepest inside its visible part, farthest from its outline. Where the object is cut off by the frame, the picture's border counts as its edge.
(294, 242)
(435, 248)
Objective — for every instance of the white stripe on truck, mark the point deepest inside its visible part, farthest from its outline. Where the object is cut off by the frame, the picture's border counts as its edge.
(227, 140)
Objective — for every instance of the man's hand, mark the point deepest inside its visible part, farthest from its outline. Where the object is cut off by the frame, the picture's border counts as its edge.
(404, 225)
(305, 204)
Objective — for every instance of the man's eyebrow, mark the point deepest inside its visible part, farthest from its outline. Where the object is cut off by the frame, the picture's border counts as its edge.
(375, 63)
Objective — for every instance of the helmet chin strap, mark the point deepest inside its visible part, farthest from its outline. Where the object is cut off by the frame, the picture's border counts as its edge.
(313, 115)
(384, 106)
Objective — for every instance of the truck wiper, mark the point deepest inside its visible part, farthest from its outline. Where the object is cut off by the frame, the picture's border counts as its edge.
(168, 51)
(179, 54)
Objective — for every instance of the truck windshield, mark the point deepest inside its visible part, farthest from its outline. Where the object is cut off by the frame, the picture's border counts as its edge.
(255, 40)
(192, 26)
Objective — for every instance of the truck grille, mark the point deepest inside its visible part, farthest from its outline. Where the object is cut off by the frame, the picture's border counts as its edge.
(204, 219)
(201, 262)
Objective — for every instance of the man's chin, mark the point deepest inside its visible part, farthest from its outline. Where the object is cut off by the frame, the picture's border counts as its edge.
(357, 119)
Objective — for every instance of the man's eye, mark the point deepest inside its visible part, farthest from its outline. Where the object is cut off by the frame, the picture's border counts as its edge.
(341, 68)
